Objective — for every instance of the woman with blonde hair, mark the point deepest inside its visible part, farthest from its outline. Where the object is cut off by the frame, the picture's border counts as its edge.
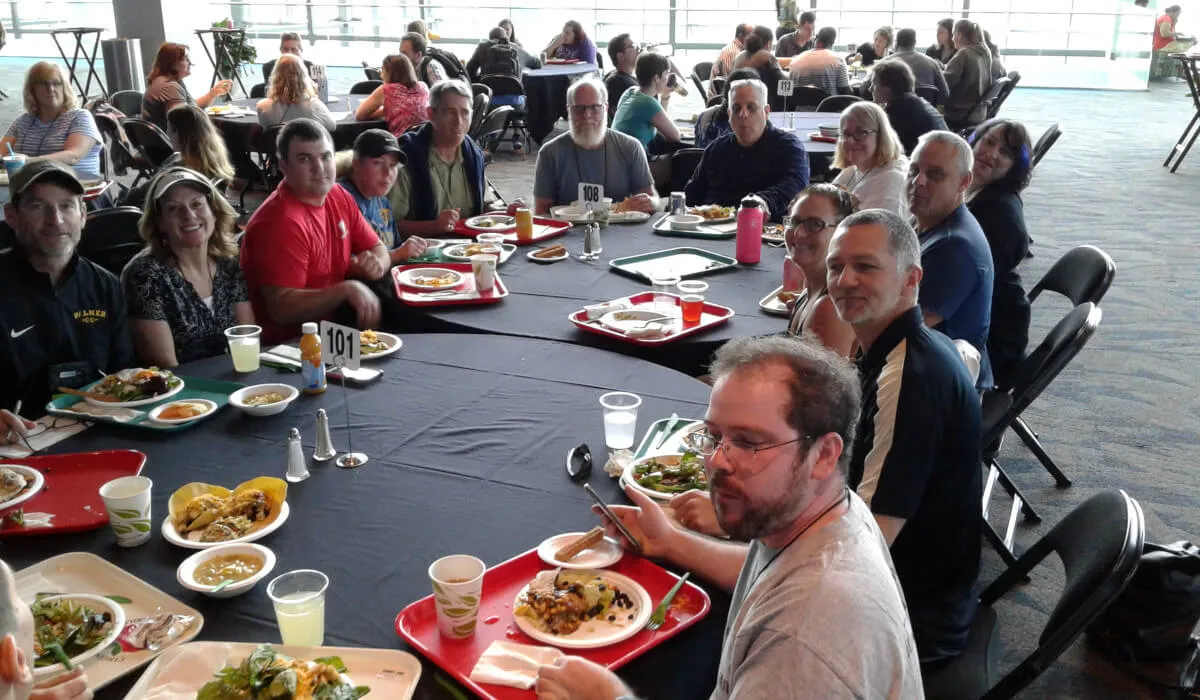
(292, 95)
(198, 144)
(186, 287)
(872, 159)
(402, 99)
(53, 126)
(165, 89)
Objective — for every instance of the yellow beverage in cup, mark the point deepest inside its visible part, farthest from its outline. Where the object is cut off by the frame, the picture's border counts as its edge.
(244, 347)
(301, 623)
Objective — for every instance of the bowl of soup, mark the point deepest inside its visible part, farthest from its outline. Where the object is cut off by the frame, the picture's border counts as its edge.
(264, 399)
(242, 564)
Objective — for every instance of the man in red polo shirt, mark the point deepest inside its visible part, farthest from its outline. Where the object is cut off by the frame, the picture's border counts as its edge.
(306, 240)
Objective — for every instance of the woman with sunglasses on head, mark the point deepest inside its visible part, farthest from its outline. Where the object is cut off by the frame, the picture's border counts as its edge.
(53, 126)
(872, 159)
(1002, 169)
(812, 218)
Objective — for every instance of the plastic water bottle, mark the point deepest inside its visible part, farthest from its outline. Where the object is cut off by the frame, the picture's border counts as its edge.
(749, 232)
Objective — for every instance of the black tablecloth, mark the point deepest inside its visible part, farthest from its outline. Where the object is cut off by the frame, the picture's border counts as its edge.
(542, 296)
(466, 439)
(240, 131)
(546, 95)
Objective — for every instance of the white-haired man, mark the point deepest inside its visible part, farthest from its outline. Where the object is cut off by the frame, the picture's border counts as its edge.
(591, 153)
(756, 159)
(956, 291)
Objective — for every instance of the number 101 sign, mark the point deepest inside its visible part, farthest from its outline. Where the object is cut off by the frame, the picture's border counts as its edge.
(340, 345)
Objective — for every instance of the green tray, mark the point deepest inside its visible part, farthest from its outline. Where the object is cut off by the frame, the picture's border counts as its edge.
(436, 256)
(195, 388)
(684, 262)
(703, 231)
(655, 433)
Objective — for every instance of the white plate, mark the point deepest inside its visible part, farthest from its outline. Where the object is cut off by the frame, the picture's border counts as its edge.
(625, 320)
(409, 278)
(458, 252)
(169, 534)
(606, 553)
(595, 633)
(209, 405)
(187, 570)
(99, 604)
(627, 477)
(392, 674)
(139, 402)
(392, 342)
(34, 483)
(733, 217)
(492, 223)
(565, 254)
(575, 215)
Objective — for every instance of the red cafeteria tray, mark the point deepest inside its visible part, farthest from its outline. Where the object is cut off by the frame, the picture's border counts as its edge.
(467, 292)
(543, 228)
(711, 315)
(417, 623)
(72, 490)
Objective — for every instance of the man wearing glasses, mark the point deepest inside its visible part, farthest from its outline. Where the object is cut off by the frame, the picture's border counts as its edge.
(816, 608)
(916, 450)
(591, 153)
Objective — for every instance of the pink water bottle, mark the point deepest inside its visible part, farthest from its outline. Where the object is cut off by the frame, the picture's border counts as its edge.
(749, 232)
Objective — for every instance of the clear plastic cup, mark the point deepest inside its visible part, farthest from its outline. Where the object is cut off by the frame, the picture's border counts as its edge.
(664, 288)
(620, 419)
(691, 299)
(299, 600)
(244, 346)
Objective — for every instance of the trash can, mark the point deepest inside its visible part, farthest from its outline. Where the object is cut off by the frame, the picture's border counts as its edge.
(123, 64)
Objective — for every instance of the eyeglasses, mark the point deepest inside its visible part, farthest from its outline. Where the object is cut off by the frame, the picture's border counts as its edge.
(704, 444)
(810, 224)
(43, 426)
(587, 109)
(859, 136)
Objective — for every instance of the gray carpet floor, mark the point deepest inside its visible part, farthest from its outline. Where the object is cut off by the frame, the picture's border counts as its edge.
(1126, 413)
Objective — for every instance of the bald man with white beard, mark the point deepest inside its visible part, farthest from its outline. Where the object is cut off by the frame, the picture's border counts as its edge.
(592, 153)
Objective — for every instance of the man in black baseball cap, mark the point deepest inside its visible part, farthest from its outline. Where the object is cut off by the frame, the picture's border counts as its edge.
(62, 318)
(376, 164)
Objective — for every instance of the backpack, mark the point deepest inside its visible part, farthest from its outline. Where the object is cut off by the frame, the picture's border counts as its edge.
(501, 59)
(454, 67)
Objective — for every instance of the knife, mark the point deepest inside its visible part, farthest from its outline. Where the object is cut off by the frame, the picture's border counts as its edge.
(667, 430)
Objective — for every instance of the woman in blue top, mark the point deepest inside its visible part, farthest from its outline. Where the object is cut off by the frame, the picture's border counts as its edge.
(642, 110)
(53, 127)
(572, 44)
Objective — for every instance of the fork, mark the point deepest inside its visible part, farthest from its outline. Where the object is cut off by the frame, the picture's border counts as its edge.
(659, 617)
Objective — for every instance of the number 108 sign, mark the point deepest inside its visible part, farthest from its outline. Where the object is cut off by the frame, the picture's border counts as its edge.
(340, 345)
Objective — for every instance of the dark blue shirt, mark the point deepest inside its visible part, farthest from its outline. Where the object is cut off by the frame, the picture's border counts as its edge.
(377, 211)
(774, 168)
(911, 116)
(916, 457)
(957, 284)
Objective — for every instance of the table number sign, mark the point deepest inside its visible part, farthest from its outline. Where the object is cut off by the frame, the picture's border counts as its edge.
(785, 88)
(340, 345)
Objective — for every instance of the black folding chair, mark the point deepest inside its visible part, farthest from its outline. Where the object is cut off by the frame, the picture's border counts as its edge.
(365, 87)
(121, 150)
(110, 237)
(480, 88)
(992, 96)
(1044, 143)
(479, 108)
(267, 161)
(700, 72)
(507, 85)
(1099, 545)
(151, 141)
(372, 73)
(803, 98)
(128, 101)
(718, 85)
(258, 90)
(683, 165)
(837, 103)
(1005, 90)
(492, 127)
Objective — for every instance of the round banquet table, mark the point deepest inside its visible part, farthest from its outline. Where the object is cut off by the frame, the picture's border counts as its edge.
(541, 296)
(466, 440)
(240, 130)
(546, 95)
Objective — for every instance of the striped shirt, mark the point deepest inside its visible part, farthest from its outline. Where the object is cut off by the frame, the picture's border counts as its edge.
(33, 137)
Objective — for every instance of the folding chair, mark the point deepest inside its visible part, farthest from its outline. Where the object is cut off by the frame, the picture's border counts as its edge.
(153, 144)
(700, 72)
(110, 237)
(267, 167)
(683, 165)
(803, 98)
(837, 103)
(492, 127)
(258, 90)
(1099, 544)
(128, 101)
(365, 87)
(372, 73)
(1002, 409)
(1005, 90)
(479, 109)
(506, 86)
(1044, 143)
(122, 152)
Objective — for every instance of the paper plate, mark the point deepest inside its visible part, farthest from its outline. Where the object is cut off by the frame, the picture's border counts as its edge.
(595, 633)
(565, 254)
(699, 209)
(604, 554)
(492, 223)
(34, 481)
(169, 534)
(409, 278)
(139, 402)
(209, 406)
(392, 342)
(625, 320)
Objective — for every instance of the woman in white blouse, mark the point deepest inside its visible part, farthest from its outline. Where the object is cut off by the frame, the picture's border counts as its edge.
(872, 159)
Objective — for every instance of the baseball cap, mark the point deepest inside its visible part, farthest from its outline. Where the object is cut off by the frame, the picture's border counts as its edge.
(168, 179)
(374, 143)
(44, 170)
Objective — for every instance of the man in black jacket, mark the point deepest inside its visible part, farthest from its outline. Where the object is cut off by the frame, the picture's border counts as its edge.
(909, 114)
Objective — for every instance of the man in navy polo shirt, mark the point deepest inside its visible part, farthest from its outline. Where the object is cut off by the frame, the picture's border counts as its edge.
(915, 459)
(62, 318)
(956, 290)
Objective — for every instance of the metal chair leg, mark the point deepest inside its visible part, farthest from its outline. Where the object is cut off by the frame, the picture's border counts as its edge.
(1022, 430)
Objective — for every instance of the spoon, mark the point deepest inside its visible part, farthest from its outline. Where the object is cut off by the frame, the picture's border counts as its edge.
(222, 585)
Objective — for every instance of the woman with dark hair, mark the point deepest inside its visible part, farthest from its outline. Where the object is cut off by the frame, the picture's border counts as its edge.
(1003, 166)
(943, 49)
(402, 99)
(641, 111)
(573, 43)
(713, 122)
(757, 53)
(812, 218)
(165, 88)
(868, 54)
(969, 77)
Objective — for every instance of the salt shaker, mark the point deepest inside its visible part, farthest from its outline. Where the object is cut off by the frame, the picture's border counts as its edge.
(325, 450)
(591, 242)
(297, 470)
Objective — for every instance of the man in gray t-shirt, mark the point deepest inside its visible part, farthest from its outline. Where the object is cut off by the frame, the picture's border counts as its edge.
(816, 608)
(592, 153)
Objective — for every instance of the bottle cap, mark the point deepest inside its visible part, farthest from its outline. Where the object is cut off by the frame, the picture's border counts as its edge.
(751, 202)
(309, 328)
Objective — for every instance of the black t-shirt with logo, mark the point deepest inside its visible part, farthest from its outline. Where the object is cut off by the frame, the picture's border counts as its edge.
(57, 336)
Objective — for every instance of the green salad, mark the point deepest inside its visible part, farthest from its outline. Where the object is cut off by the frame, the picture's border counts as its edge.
(267, 674)
(672, 473)
(66, 627)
